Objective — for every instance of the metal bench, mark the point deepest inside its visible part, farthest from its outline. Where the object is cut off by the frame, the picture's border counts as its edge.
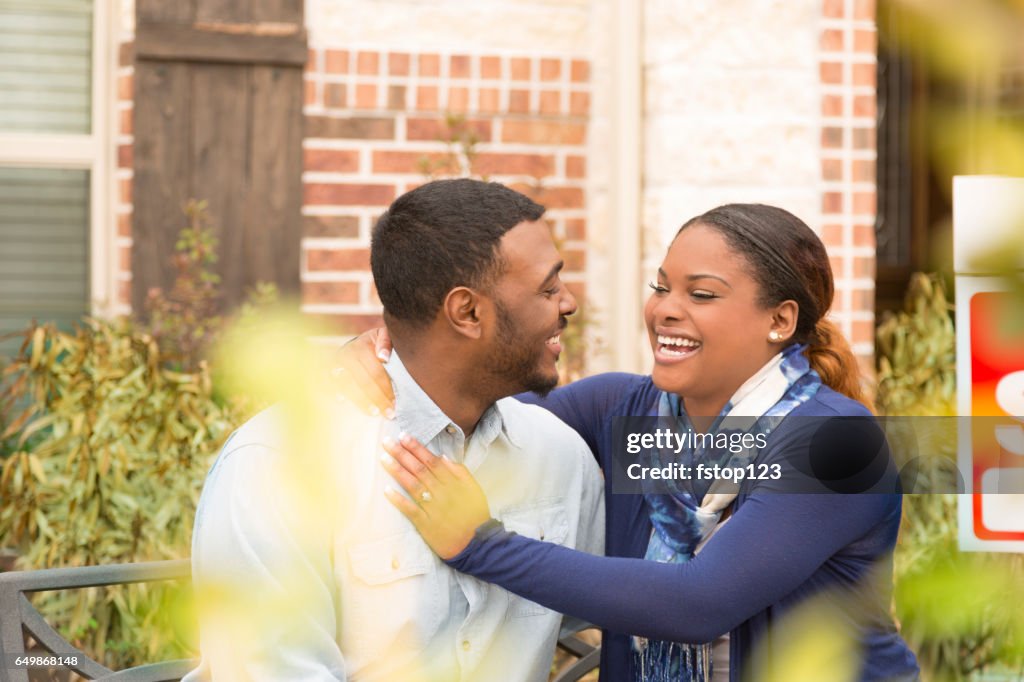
(19, 620)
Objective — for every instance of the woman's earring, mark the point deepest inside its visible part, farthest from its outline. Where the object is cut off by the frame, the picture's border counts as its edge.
(774, 336)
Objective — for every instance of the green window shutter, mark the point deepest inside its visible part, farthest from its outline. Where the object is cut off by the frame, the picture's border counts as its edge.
(44, 248)
(45, 66)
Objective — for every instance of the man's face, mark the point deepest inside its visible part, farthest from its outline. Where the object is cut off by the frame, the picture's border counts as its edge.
(532, 305)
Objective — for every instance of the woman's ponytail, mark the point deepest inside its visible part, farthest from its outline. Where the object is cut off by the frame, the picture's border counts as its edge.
(832, 358)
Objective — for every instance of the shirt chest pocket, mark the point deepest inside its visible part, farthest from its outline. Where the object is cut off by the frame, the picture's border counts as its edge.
(394, 595)
(547, 521)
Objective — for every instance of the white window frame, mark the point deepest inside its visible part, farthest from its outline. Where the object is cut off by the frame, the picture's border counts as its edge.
(94, 151)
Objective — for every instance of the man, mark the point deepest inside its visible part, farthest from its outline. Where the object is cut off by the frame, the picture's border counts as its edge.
(345, 588)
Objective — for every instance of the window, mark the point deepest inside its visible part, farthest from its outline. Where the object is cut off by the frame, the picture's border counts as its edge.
(54, 160)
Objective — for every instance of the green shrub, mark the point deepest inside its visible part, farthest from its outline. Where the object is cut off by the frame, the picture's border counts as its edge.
(106, 435)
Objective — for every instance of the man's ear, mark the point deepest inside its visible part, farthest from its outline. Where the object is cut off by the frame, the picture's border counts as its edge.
(463, 309)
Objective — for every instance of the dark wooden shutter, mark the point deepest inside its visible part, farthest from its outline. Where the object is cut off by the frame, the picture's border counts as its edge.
(218, 116)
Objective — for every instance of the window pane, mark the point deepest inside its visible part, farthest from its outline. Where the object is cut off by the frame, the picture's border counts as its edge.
(46, 66)
(44, 248)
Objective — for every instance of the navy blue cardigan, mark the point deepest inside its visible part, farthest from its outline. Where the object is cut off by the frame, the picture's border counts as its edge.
(777, 551)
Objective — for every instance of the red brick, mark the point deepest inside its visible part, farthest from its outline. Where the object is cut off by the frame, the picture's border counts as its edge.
(864, 235)
(331, 160)
(832, 105)
(831, 169)
(124, 156)
(579, 103)
(430, 65)
(459, 66)
(520, 68)
(427, 98)
(831, 72)
(310, 60)
(575, 259)
(366, 96)
(864, 74)
(838, 265)
(863, 171)
(458, 100)
(368, 63)
(126, 54)
(348, 194)
(338, 259)
(124, 224)
(336, 61)
(434, 129)
(862, 299)
(831, 138)
(124, 258)
(580, 71)
(330, 292)
(865, 41)
(536, 165)
(398, 63)
(353, 128)
(347, 323)
(864, 202)
(864, 106)
(575, 229)
(550, 102)
(124, 88)
(396, 97)
(550, 69)
(831, 202)
(863, 331)
(553, 197)
(337, 226)
(124, 293)
(544, 132)
(403, 162)
(831, 40)
(864, 10)
(832, 8)
(125, 122)
(832, 235)
(309, 92)
(575, 166)
(490, 67)
(335, 95)
(863, 138)
(125, 191)
(489, 100)
(519, 101)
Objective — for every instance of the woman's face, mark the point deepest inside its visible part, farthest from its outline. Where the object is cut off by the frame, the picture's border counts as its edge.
(708, 332)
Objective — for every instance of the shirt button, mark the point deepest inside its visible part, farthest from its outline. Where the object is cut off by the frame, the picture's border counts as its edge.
(450, 429)
(395, 563)
(466, 646)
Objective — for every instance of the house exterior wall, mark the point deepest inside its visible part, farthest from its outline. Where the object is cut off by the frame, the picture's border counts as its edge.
(744, 100)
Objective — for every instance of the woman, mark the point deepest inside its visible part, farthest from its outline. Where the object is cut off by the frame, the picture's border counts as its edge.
(736, 324)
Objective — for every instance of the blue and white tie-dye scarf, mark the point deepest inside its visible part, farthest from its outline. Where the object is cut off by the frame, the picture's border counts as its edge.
(680, 523)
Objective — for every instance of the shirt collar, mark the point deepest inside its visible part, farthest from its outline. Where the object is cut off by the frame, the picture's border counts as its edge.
(419, 416)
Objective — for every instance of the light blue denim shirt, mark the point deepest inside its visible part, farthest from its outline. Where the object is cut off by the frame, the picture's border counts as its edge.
(341, 586)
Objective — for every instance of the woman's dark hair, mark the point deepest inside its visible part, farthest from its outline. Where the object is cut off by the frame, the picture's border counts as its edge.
(789, 262)
(439, 236)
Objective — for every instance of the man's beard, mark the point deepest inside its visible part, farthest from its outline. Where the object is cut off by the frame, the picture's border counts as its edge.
(517, 362)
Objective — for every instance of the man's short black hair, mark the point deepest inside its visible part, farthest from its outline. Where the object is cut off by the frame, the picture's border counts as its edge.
(439, 236)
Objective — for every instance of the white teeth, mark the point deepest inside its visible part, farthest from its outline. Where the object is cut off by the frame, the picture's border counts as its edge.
(677, 341)
(554, 339)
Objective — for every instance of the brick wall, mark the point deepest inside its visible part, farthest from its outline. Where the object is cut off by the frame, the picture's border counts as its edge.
(123, 178)
(848, 50)
(375, 116)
